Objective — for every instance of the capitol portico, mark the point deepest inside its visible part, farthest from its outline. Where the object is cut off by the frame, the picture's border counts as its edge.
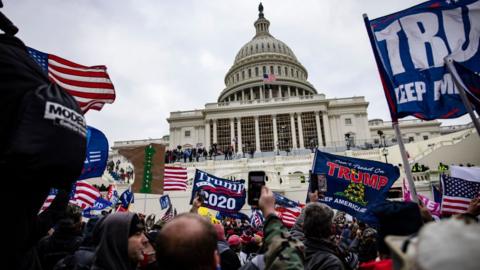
(268, 105)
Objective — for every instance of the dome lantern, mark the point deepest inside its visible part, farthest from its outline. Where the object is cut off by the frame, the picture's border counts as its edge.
(261, 24)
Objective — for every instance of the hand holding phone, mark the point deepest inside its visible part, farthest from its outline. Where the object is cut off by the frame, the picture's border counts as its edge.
(322, 182)
(318, 182)
(256, 180)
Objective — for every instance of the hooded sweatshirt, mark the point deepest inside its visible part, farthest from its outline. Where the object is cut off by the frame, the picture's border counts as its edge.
(112, 252)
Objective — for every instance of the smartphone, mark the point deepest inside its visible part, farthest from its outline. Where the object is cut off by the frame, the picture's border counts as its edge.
(321, 182)
(256, 180)
(318, 182)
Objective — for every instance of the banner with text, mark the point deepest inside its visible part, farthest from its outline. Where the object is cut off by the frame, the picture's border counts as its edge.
(354, 185)
(221, 194)
(410, 47)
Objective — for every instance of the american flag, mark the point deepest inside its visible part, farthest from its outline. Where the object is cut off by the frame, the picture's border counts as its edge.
(175, 178)
(84, 194)
(169, 214)
(288, 215)
(269, 77)
(287, 210)
(51, 196)
(256, 220)
(457, 194)
(90, 86)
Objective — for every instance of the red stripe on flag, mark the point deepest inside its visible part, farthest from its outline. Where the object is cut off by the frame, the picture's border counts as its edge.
(72, 64)
(81, 73)
(85, 84)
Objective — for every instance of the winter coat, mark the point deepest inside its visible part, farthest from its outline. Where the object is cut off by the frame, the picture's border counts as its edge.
(321, 254)
(112, 251)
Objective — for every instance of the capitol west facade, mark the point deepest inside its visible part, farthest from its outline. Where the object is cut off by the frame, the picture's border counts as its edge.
(285, 113)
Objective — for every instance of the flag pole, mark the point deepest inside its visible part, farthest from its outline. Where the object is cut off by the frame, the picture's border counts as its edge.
(461, 90)
(398, 135)
(144, 203)
(406, 164)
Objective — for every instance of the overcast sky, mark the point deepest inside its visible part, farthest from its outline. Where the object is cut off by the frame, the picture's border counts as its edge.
(165, 56)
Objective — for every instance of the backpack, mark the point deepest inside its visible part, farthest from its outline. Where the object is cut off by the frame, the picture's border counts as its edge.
(43, 130)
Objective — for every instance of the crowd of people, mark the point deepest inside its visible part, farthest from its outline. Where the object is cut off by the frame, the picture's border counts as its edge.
(320, 239)
(197, 154)
(118, 172)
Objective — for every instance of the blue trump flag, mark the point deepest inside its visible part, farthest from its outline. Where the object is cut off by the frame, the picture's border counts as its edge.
(165, 201)
(221, 194)
(99, 205)
(410, 46)
(97, 154)
(354, 185)
(127, 198)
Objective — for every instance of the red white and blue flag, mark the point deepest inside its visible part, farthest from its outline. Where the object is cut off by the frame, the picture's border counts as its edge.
(90, 86)
(410, 46)
(175, 178)
(459, 189)
(269, 77)
(287, 210)
(51, 196)
(256, 220)
(471, 83)
(84, 194)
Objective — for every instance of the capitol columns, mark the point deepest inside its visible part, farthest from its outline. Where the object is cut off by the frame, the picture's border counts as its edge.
(294, 134)
(260, 89)
(232, 133)
(243, 95)
(207, 134)
(257, 135)
(275, 132)
(326, 128)
(319, 129)
(214, 131)
(239, 135)
(300, 130)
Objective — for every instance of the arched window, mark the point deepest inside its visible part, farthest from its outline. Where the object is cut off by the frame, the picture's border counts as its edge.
(243, 74)
(297, 73)
(249, 73)
(286, 71)
(238, 77)
(271, 70)
(273, 46)
(291, 71)
(268, 46)
(279, 71)
(264, 70)
(256, 71)
(256, 47)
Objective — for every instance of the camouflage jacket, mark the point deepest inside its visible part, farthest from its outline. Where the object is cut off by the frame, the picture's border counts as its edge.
(282, 250)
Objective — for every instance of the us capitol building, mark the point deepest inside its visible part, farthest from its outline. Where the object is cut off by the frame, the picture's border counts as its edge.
(269, 108)
(269, 105)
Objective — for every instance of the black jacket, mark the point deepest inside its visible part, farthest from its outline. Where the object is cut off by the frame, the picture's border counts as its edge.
(321, 254)
(228, 257)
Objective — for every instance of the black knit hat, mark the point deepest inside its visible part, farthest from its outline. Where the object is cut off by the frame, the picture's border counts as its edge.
(136, 225)
(396, 218)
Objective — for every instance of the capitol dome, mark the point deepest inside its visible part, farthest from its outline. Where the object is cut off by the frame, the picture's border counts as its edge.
(265, 68)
